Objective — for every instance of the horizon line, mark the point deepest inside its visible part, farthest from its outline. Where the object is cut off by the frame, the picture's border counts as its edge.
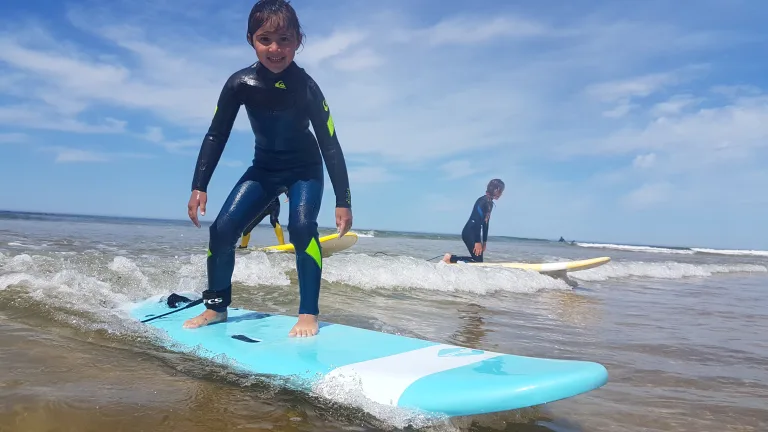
(54, 213)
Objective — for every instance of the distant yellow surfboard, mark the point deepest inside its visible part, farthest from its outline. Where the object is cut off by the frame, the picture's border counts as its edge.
(329, 244)
(567, 266)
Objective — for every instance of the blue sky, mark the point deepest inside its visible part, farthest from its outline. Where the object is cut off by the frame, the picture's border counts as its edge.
(609, 121)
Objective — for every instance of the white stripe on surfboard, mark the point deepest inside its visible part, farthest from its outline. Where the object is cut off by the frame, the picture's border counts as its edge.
(548, 267)
(541, 267)
(384, 379)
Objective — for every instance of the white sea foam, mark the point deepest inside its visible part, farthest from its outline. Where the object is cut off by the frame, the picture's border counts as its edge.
(403, 272)
(663, 270)
(650, 249)
(760, 253)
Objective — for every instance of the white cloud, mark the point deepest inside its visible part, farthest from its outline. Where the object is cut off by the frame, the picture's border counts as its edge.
(675, 105)
(467, 30)
(395, 110)
(647, 195)
(388, 112)
(622, 93)
(336, 43)
(155, 135)
(46, 118)
(736, 91)
(689, 141)
(67, 82)
(741, 125)
(644, 161)
(459, 168)
(369, 174)
(13, 138)
(70, 155)
(359, 60)
(64, 155)
(620, 110)
(640, 86)
(441, 203)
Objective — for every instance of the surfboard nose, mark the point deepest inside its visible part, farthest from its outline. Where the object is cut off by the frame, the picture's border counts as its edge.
(503, 383)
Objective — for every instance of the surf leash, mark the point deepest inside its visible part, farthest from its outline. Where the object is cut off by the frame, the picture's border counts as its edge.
(384, 253)
(173, 301)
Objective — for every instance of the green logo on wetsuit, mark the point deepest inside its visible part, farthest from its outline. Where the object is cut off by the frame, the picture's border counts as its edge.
(313, 250)
(330, 119)
(280, 84)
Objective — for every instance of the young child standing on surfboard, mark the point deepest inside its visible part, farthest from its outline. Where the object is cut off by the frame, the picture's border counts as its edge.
(478, 220)
(281, 100)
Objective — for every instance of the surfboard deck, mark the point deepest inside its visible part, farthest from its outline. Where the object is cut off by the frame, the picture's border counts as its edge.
(568, 266)
(329, 244)
(388, 369)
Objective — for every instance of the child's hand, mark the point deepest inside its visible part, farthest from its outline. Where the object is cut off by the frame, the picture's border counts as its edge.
(197, 199)
(343, 220)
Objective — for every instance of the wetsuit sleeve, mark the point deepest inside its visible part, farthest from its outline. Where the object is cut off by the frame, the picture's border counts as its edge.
(275, 214)
(488, 208)
(325, 131)
(480, 211)
(218, 133)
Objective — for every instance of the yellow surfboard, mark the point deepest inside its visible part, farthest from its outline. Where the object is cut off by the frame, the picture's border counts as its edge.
(329, 244)
(567, 266)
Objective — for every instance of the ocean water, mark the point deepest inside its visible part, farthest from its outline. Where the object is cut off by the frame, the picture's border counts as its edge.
(683, 332)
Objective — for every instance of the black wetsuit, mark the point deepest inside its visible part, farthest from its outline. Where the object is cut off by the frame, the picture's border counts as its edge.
(471, 234)
(287, 159)
(273, 210)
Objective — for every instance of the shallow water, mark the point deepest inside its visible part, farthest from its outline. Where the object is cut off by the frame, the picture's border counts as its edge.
(684, 334)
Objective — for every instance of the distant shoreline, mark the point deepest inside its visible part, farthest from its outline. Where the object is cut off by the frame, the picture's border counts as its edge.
(383, 232)
(149, 219)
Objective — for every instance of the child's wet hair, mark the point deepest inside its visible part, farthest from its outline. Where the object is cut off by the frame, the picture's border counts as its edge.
(277, 13)
(495, 185)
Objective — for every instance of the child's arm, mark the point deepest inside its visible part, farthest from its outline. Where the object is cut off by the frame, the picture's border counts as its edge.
(486, 222)
(218, 133)
(325, 131)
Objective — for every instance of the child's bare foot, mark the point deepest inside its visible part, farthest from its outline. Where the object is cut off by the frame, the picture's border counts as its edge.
(447, 258)
(305, 327)
(207, 317)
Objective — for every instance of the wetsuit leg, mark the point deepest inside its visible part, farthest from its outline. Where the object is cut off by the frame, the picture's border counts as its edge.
(253, 224)
(247, 199)
(304, 206)
(469, 242)
(247, 232)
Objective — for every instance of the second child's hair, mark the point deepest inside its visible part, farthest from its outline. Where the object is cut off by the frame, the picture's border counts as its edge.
(494, 185)
(278, 13)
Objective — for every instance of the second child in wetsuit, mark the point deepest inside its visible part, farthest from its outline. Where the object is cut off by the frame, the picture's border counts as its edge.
(478, 221)
(273, 210)
(281, 101)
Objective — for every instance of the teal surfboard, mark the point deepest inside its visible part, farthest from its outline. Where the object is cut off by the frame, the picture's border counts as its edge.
(388, 369)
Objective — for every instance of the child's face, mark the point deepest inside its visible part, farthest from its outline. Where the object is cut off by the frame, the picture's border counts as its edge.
(275, 47)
